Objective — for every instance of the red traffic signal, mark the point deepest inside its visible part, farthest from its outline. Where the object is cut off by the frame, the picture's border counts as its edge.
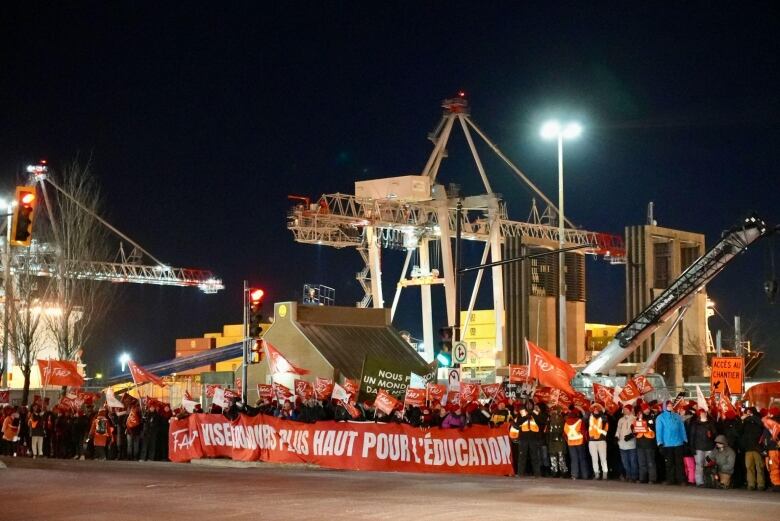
(22, 218)
(256, 295)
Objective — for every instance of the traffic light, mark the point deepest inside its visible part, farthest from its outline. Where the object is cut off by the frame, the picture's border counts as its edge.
(444, 353)
(255, 307)
(22, 218)
(256, 353)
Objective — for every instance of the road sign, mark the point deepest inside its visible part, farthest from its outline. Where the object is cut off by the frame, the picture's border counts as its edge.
(727, 370)
(453, 378)
(459, 352)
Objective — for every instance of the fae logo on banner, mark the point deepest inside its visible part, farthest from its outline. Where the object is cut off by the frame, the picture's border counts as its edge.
(727, 371)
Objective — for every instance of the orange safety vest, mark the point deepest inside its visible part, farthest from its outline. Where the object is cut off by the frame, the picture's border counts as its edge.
(597, 429)
(530, 425)
(642, 430)
(573, 434)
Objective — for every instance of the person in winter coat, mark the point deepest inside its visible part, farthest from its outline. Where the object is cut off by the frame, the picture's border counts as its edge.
(455, 419)
(150, 431)
(644, 431)
(598, 425)
(133, 429)
(671, 438)
(575, 433)
(530, 425)
(750, 443)
(627, 443)
(725, 458)
(556, 443)
(100, 432)
(10, 433)
(36, 423)
(701, 439)
(772, 447)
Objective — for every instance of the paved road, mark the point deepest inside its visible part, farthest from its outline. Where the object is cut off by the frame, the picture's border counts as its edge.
(54, 490)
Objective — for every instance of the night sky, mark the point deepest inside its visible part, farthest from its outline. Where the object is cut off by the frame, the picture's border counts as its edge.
(202, 118)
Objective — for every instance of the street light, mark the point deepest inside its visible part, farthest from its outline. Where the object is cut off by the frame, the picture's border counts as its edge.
(555, 130)
(123, 359)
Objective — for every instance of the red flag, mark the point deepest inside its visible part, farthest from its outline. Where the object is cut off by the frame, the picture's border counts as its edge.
(643, 384)
(278, 363)
(231, 394)
(414, 397)
(210, 388)
(351, 409)
(265, 391)
(543, 394)
(603, 394)
(491, 390)
(469, 393)
(630, 392)
(549, 369)
(5, 396)
(323, 388)
(187, 395)
(303, 389)
(518, 374)
(281, 392)
(141, 375)
(578, 400)
(352, 387)
(725, 404)
(453, 398)
(436, 392)
(60, 372)
(386, 402)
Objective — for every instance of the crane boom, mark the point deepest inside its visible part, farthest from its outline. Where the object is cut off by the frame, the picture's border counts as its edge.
(694, 278)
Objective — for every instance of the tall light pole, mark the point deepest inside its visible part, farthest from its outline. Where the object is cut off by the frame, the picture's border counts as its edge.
(555, 130)
(123, 359)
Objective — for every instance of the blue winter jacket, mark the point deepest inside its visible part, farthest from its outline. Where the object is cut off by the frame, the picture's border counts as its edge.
(670, 430)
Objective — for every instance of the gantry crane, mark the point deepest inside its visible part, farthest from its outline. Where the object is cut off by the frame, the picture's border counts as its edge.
(369, 221)
(43, 258)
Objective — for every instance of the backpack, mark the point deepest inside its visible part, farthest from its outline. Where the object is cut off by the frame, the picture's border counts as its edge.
(101, 427)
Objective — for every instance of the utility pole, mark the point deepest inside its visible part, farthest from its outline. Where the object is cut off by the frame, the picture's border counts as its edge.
(245, 342)
(458, 239)
(7, 297)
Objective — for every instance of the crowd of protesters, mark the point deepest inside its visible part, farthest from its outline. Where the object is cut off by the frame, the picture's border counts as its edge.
(132, 433)
(648, 442)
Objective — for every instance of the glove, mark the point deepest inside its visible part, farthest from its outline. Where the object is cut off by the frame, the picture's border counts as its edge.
(629, 437)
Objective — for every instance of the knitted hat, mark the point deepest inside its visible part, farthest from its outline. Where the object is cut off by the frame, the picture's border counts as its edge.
(629, 407)
(774, 411)
(720, 438)
(699, 411)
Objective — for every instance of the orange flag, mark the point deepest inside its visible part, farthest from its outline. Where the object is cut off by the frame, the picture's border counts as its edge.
(604, 396)
(278, 363)
(549, 369)
(303, 389)
(141, 375)
(414, 397)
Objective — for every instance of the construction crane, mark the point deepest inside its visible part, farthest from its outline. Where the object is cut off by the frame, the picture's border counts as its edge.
(411, 212)
(43, 259)
(676, 297)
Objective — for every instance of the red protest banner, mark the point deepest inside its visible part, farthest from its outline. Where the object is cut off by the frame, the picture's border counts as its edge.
(60, 372)
(264, 391)
(339, 445)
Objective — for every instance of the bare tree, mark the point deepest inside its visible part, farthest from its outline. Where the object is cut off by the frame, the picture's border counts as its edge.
(79, 237)
(27, 305)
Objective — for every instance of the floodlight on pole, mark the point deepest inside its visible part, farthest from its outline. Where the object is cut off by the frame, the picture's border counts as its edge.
(123, 359)
(554, 129)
